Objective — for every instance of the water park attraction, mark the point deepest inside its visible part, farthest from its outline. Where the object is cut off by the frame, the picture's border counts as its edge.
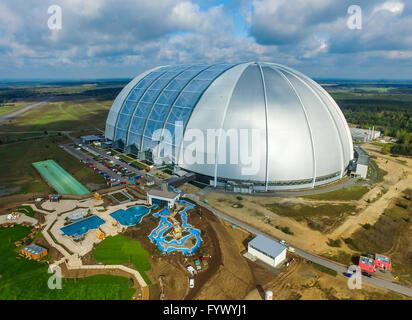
(173, 235)
(59, 179)
(132, 215)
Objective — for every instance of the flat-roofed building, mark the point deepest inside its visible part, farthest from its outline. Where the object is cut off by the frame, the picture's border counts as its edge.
(91, 138)
(267, 250)
(162, 196)
(33, 251)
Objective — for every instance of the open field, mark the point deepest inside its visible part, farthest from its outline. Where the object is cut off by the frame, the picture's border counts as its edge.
(122, 250)
(19, 176)
(59, 178)
(22, 279)
(303, 280)
(390, 235)
(62, 115)
(10, 107)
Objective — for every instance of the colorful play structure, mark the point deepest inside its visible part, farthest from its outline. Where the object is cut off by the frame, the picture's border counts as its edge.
(100, 234)
(97, 196)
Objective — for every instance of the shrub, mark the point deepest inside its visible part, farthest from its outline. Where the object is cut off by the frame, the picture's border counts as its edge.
(334, 243)
(367, 226)
(348, 240)
(286, 230)
(402, 205)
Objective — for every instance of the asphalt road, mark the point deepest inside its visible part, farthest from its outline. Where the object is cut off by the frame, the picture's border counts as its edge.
(378, 282)
(10, 116)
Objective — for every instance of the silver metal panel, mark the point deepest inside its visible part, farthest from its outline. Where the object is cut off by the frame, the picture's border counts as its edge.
(326, 139)
(290, 156)
(246, 111)
(210, 113)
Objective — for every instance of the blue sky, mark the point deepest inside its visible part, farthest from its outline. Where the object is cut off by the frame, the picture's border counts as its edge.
(120, 38)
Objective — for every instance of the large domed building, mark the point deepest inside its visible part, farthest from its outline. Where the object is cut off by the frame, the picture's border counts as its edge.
(297, 135)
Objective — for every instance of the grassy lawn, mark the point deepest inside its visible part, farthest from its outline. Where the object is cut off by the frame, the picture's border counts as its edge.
(27, 210)
(10, 107)
(23, 279)
(352, 193)
(122, 250)
(119, 196)
(17, 170)
(381, 173)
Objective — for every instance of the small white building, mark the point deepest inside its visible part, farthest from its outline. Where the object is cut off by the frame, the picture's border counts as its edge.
(362, 162)
(269, 251)
(162, 197)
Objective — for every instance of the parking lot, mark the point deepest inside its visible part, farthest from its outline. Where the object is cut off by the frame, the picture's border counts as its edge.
(115, 171)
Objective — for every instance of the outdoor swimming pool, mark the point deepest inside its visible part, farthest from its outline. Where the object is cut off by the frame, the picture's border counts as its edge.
(132, 215)
(82, 226)
(159, 239)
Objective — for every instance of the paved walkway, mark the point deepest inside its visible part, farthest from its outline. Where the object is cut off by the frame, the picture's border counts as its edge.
(55, 220)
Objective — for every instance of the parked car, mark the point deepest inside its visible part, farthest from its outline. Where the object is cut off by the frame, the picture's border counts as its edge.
(191, 283)
(283, 242)
(347, 274)
(291, 249)
(366, 274)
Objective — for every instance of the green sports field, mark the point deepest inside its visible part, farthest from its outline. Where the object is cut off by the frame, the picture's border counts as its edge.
(59, 178)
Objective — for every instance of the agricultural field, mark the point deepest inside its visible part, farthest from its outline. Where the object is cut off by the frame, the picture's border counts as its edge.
(19, 176)
(390, 235)
(6, 108)
(122, 250)
(26, 280)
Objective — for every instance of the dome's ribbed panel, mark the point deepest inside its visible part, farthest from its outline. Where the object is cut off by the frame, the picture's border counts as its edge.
(303, 138)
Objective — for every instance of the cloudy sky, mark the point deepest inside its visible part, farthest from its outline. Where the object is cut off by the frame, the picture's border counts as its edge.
(120, 38)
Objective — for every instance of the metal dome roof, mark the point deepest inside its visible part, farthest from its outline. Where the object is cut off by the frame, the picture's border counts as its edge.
(304, 138)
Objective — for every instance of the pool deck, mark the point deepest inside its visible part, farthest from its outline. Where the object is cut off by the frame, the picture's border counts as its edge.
(55, 220)
(86, 245)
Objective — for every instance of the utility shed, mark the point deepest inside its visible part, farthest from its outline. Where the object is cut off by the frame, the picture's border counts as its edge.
(362, 162)
(33, 251)
(267, 250)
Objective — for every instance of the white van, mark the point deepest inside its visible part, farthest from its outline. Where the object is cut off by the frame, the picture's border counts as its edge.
(191, 283)
(116, 157)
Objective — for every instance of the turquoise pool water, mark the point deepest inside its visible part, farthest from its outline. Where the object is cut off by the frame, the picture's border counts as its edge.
(83, 226)
(132, 215)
